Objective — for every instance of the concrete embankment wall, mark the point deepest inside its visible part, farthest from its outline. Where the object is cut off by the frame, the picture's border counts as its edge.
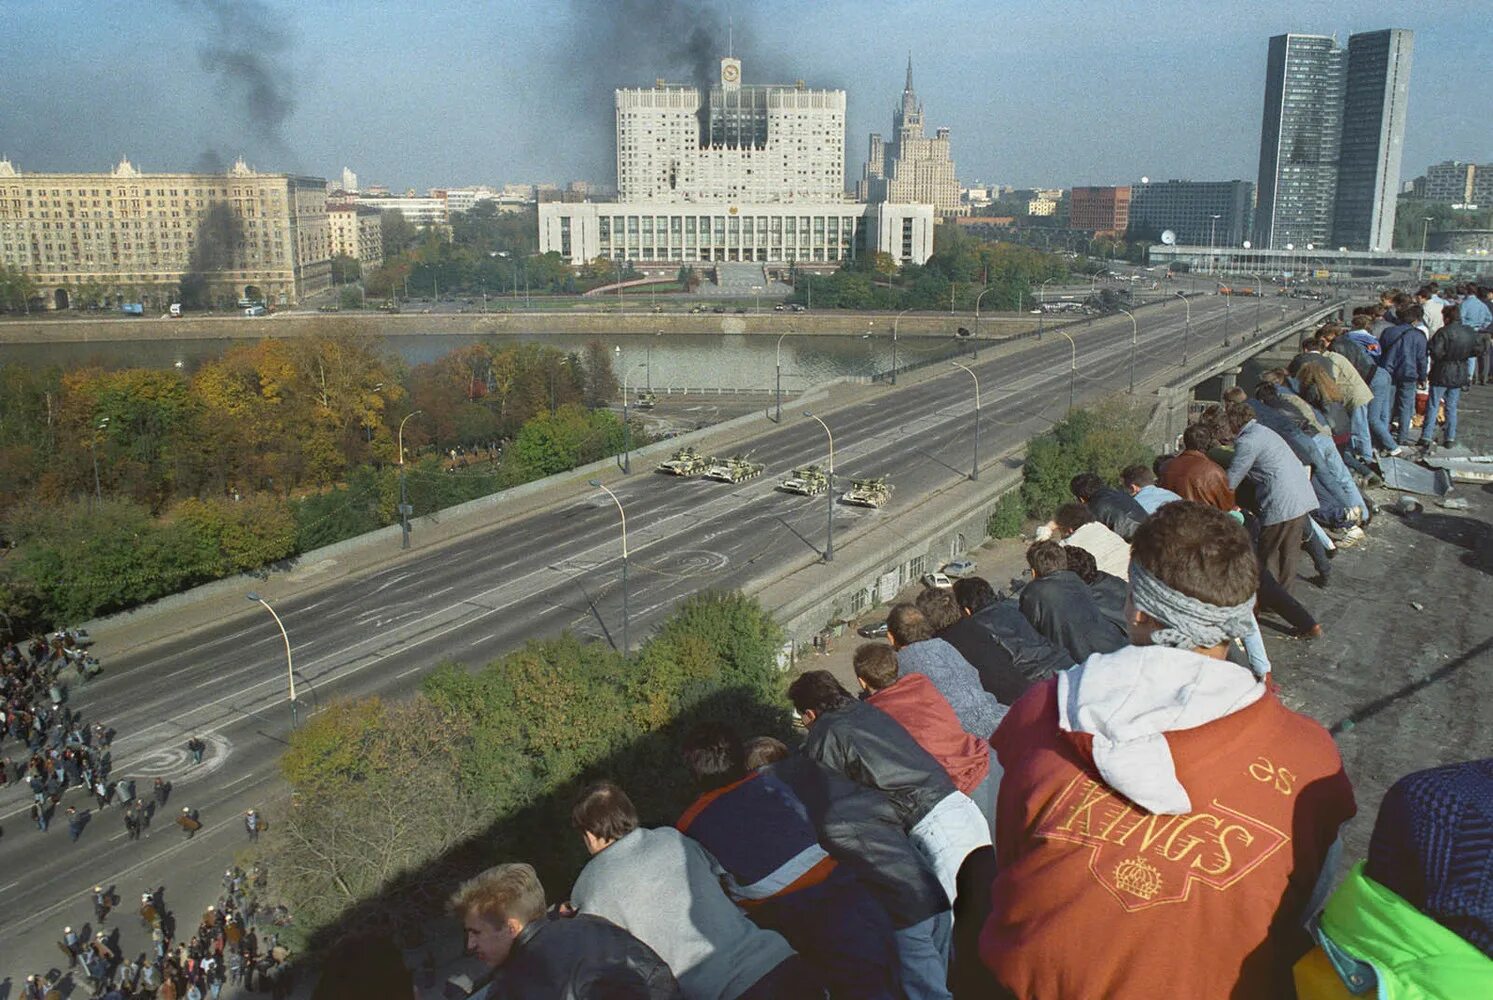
(69, 330)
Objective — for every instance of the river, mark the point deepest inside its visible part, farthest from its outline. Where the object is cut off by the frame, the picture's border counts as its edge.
(719, 361)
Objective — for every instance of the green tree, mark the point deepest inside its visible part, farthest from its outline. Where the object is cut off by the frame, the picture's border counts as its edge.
(16, 290)
(1102, 440)
(397, 231)
(346, 269)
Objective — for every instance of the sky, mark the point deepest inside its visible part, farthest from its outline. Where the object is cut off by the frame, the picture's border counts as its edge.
(425, 94)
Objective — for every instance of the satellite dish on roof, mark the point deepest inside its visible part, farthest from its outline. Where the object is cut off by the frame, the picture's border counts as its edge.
(1168, 237)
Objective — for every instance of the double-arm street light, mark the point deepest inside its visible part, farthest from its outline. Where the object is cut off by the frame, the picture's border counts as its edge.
(289, 666)
(1072, 366)
(1186, 330)
(780, 374)
(974, 472)
(623, 514)
(1134, 338)
(829, 493)
(404, 503)
(894, 342)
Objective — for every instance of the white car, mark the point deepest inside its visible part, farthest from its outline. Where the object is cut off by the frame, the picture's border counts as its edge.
(937, 581)
(959, 567)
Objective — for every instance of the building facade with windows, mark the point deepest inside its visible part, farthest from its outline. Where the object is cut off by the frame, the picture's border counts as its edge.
(357, 233)
(1199, 213)
(747, 143)
(1374, 105)
(418, 211)
(912, 168)
(1330, 140)
(1455, 182)
(754, 174)
(128, 236)
(1105, 210)
(770, 233)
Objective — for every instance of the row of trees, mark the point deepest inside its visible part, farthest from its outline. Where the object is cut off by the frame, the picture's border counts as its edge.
(960, 269)
(394, 802)
(125, 485)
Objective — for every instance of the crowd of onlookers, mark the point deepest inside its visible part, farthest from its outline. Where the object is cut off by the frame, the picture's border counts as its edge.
(1088, 788)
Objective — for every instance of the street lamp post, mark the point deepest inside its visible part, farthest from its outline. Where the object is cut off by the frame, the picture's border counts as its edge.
(780, 374)
(289, 665)
(1042, 304)
(977, 316)
(103, 425)
(1186, 330)
(1134, 338)
(626, 425)
(404, 505)
(1072, 366)
(623, 514)
(1259, 295)
(829, 493)
(895, 321)
(974, 472)
(1425, 232)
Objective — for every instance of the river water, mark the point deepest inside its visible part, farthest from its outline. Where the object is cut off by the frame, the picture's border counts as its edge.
(719, 361)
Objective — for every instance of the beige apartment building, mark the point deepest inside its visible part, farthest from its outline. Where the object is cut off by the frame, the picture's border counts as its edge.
(128, 236)
(912, 167)
(358, 233)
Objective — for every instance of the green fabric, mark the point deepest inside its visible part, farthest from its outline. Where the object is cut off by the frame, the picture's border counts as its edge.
(1415, 957)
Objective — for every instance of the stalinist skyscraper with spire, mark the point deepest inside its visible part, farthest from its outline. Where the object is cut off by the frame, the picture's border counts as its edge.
(911, 167)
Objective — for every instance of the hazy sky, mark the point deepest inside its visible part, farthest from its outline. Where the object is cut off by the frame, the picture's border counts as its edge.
(420, 94)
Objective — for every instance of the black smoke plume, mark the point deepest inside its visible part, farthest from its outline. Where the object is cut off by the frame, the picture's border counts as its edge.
(246, 50)
(630, 43)
(219, 239)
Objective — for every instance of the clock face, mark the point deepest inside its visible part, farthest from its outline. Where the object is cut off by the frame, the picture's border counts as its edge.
(729, 73)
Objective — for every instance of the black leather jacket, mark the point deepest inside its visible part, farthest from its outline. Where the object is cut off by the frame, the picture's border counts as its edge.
(582, 957)
(1008, 654)
(870, 747)
(1449, 350)
(860, 829)
(1061, 607)
(1119, 512)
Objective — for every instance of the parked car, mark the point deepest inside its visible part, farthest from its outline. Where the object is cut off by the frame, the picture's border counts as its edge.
(938, 581)
(959, 567)
(877, 630)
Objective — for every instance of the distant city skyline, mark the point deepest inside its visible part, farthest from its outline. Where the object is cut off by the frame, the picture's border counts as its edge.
(461, 93)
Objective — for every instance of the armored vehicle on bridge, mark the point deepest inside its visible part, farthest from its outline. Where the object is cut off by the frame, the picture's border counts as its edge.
(736, 469)
(872, 492)
(809, 481)
(686, 462)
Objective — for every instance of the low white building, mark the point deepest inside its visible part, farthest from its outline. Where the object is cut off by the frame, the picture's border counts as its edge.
(775, 233)
(416, 210)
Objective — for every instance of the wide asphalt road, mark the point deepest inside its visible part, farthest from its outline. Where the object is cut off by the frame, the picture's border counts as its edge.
(556, 569)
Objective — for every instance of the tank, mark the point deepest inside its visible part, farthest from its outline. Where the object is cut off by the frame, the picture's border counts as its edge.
(809, 481)
(872, 492)
(646, 401)
(736, 469)
(685, 462)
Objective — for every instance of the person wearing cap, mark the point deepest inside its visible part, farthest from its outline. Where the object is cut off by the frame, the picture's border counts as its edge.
(188, 821)
(101, 904)
(69, 946)
(251, 824)
(1165, 823)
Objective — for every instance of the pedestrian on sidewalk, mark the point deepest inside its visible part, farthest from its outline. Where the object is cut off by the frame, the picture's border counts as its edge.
(188, 821)
(196, 748)
(75, 823)
(252, 824)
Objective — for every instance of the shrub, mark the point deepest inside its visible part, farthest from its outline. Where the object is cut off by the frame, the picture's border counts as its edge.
(1103, 440)
(1007, 518)
(500, 753)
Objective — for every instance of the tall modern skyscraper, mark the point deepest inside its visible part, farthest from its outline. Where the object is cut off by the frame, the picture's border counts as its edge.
(1368, 175)
(1330, 140)
(1299, 141)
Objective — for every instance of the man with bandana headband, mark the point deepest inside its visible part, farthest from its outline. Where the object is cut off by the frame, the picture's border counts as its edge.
(1164, 821)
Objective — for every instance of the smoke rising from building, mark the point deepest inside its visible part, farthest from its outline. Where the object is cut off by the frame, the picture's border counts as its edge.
(247, 50)
(219, 238)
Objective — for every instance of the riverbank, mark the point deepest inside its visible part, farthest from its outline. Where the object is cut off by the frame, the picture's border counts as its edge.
(411, 323)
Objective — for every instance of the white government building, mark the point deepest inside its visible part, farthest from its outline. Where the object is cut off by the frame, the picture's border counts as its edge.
(755, 176)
